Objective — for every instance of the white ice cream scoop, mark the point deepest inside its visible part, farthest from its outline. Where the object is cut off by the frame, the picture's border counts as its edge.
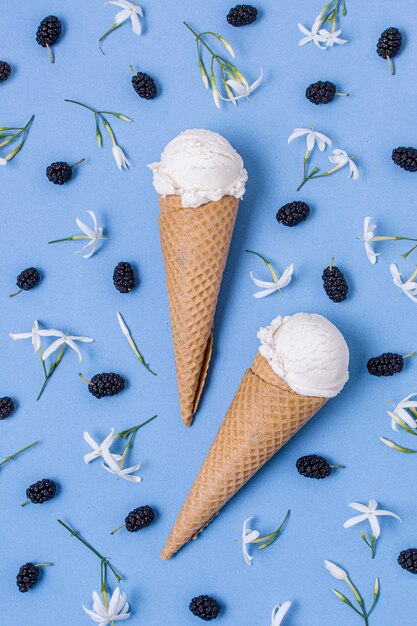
(308, 352)
(200, 166)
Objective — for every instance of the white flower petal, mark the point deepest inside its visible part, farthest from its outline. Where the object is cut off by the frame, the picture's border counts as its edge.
(122, 16)
(263, 283)
(376, 529)
(358, 519)
(335, 570)
(54, 346)
(298, 132)
(136, 27)
(359, 507)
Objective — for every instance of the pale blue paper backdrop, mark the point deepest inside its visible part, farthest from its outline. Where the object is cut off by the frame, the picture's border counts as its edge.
(79, 295)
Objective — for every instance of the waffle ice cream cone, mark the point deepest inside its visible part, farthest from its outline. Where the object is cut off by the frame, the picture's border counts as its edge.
(195, 244)
(199, 181)
(265, 413)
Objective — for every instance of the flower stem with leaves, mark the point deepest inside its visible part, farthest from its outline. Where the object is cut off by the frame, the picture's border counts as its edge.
(340, 574)
(10, 134)
(52, 367)
(268, 540)
(125, 330)
(130, 435)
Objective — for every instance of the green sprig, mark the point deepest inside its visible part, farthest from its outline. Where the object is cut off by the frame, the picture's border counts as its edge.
(21, 133)
(99, 116)
(268, 540)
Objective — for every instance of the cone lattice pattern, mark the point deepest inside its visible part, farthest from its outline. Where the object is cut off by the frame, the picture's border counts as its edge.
(264, 415)
(195, 244)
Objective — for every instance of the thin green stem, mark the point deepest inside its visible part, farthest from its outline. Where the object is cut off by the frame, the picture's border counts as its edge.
(77, 163)
(307, 178)
(124, 434)
(16, 293)
(13, 456)
(102, 558)
(106, 34)
(51, 54)
(271, 538)
(52, 369)
(43, 564)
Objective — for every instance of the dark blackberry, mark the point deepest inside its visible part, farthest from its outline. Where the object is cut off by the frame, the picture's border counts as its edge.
(124, 277)
(205, 608)
(144, 85)
(27, 280)
(408, 560)
(60, 172)
(334, 283)
(139, 518)
(6, 407)
(389, 45)
(5, 71)
(48, 33)
(27, 577)
(406, 158)
(41, 491)
(293, 213)
(322, 92)
(106, 384)
(386, 364)
(242, 15)
(313, 466)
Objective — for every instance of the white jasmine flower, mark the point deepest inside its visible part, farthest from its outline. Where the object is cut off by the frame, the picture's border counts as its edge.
(368, 238)
(335, 570)
(95, 235)
(312, 35)
(341, 158)
(409, 287)
(368, 512)
(120, 157)
(114, 468)
(271, 287)
(242, 88)
(279, 612)
(129, 10)
(248, 536)
(332, 38)
(68, 340)
(313, 138)
(100, 450)
(117, 610)
(401, 414)
(35, 335)
(3, 161)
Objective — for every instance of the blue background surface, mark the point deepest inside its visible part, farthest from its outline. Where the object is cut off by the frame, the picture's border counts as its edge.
(79, 295)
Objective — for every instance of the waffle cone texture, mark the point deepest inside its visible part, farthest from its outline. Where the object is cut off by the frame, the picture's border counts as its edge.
(195, 244)
(265, 413)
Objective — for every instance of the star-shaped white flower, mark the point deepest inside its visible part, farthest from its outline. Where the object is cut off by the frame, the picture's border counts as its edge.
(248, 536)
(129, 10)
(95, 234)
(120, 158)
(341, 158)
(401, 414)
(272, 286)
(368, 512)
(114, 468)
(409, 287)
(313, 138)
(368, 238)
(279, 612)
(35, 335)
(312, 35)
(68, 340)
(242, 88)
(100, 450)
(332, 38)
(118, 609)
(335, 570)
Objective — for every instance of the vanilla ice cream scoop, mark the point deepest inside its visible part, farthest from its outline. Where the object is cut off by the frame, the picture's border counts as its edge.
(308, 352)
(200, 166)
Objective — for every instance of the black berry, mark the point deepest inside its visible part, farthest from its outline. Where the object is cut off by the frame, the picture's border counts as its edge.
(321, 92)
(59, 172)
(389, 45)
(28, 279)
(313, 466)
(293, 213)
(144, 85)
(386, 364)
(334, 283)
(6, 407)
(106, 384)
(124, 277)
(48, 33)
(205, 608)
(406, 158)
(242, 15)
(27, 577)
(139, 518)
(5, 71)
(408, 560)
(41, 491)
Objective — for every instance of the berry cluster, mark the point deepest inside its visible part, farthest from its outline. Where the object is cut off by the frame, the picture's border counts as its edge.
(334, 283)
(205, 608)
(293, 213)
(386, 364)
